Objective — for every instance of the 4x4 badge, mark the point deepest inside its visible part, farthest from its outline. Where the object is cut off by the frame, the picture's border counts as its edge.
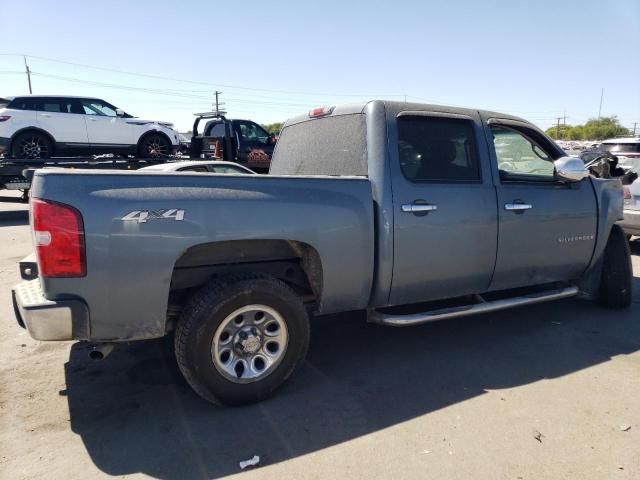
(141, 216)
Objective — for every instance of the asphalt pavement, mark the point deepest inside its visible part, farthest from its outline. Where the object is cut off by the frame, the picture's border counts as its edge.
(548, 391)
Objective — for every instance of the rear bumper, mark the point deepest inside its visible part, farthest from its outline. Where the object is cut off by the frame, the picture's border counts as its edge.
(631, 222)
(47, 319)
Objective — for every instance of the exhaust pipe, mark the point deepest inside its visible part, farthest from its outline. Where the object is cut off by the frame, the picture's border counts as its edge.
(100, 351)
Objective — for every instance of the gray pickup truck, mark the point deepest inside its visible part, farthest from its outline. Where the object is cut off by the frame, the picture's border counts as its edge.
(411, 212)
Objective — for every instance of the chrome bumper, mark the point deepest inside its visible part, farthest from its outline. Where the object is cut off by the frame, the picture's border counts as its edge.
(47, 319)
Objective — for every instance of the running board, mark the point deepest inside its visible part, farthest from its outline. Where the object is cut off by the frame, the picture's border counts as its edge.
(376, 316)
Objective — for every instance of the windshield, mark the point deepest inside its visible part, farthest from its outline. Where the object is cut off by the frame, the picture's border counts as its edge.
(4, 102)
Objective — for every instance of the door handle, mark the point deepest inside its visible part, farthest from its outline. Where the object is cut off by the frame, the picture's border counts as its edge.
(93, 120)
(45, 115)
(517, 206)
(418, 208)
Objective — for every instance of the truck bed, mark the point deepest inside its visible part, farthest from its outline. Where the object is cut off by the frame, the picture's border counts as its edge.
(130, 262)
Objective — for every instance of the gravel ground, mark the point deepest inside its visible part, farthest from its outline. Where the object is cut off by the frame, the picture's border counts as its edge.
(544, 392)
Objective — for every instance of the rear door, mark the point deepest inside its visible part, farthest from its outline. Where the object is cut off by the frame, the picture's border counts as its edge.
(62, 118)
(445, 216)
(547, 229)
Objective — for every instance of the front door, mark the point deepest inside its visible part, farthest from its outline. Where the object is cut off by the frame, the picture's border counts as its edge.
(547, 228)
(104, 128)
(254, 144)
(445, 216)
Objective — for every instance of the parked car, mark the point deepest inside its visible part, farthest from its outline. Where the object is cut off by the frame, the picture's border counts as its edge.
(240, 141)
(622, 147)
(631, 221)
(394, 208)
(37, 126)
(206, 166)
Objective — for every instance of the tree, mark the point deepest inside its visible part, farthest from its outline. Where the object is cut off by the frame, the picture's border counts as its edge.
(273, 128)
(594, 129)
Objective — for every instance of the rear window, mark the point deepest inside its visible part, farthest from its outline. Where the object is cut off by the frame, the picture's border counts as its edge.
(325, 146)
(621, 147)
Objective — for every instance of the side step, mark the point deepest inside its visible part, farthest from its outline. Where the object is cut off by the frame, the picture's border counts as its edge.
(376, 316)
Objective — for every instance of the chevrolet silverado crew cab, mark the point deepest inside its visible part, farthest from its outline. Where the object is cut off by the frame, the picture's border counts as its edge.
(35, 126)
(406, 211)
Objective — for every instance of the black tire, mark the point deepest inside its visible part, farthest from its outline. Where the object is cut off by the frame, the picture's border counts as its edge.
(29, 145)
(205, 312)
(154, 145)
(615, 282)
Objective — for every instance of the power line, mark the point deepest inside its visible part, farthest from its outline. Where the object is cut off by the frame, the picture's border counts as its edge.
(195, 82)
(164, 92)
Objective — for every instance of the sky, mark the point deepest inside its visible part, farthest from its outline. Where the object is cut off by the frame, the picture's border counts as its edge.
(273, 59)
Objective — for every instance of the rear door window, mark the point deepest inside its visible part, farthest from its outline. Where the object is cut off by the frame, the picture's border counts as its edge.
(58, 105)
(436, 149)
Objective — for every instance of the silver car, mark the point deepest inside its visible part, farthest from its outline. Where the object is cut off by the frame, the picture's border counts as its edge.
(631, 221)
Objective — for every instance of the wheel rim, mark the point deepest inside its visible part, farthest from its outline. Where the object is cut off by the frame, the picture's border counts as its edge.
(249, 343)
(156, 146)
(33, 146)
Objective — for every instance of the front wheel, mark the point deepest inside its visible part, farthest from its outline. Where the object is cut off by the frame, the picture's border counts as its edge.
(154, 145)
(615, 282)
(240, 337)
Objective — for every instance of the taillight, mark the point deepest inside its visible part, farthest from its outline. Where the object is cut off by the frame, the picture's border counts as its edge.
(320, 112)
(59, 239)
(4, 118)
(627, 193)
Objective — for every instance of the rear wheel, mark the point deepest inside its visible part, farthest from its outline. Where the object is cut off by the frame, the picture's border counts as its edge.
(615, 282)
(31, 145)
(154, 145)
(240, 337)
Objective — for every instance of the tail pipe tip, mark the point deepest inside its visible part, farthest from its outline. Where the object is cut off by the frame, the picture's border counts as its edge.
(100, 351)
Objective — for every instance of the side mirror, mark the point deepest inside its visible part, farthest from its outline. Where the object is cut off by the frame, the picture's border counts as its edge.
(272, 139)
(570, 169)
(119, 112)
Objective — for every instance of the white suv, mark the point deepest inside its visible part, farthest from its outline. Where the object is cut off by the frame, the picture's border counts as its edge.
(37, 126)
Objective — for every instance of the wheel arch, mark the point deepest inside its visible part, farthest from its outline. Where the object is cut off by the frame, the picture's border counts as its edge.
(150, 132)
(33, 129)
(296, 263)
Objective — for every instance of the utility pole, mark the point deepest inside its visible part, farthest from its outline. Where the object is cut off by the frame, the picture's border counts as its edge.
(28, 72)
(219, 104)
(558, 127)
(600, 109)
(634, 128)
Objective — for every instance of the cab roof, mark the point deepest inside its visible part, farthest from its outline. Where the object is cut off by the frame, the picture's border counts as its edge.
(396, 107)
